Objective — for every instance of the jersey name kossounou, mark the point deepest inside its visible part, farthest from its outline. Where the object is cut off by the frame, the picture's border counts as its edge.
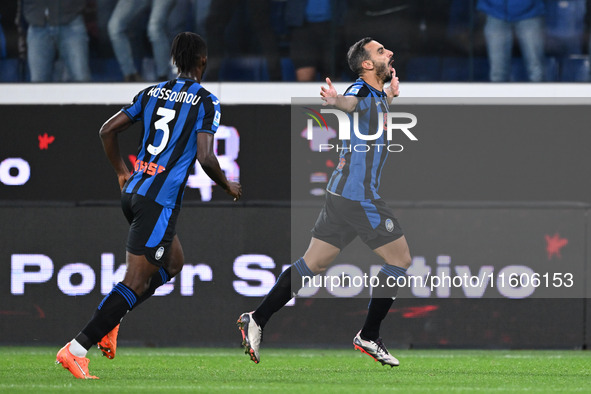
(357, 176)
(172, 114)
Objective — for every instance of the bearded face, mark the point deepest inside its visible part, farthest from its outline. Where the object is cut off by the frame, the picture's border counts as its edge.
(383, 72)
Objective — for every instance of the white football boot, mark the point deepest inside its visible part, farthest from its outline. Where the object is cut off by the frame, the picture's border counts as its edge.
(252, 336)
(376, 350)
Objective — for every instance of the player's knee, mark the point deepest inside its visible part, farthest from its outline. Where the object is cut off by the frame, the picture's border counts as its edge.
(318, 262)
(176, 259)
(138, 287)
(174, 269)
(175, 264)
(402, 261)
(406, 261)
(318, 270)
(317, 267)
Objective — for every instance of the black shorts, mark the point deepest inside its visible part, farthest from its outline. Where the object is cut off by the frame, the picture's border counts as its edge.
(151, 227)
(341, 220)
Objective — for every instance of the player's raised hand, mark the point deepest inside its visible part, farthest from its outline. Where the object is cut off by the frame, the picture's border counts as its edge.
(393, 90)
(329, 95)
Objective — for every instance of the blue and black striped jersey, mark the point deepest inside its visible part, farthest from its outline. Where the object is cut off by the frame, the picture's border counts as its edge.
(357, 176)
(172, 113)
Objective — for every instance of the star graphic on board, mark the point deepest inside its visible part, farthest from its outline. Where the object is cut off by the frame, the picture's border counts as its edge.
(554, 244)
(45, 140)
(132, 159)
(413, 312)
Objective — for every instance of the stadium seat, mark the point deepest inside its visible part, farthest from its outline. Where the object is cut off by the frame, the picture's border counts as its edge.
(246, 68)
(462, 69)
(519, 74)
(287, 70)
(2, 43)
(423, 69)
(9, 70)
(148, 69)
(565, 26)
(575, 69)
(105, 70)
(277, 18)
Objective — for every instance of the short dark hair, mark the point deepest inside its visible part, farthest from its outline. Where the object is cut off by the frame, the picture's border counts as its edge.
(187, 49)
(357, 54)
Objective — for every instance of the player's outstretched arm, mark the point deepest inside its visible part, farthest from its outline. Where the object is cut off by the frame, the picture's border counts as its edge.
(330, 97)
(211, 166)
(108, 133)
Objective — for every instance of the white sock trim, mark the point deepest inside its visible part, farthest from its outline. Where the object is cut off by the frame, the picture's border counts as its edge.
(77, 349)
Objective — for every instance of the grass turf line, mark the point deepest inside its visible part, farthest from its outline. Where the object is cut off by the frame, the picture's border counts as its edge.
(147, 370)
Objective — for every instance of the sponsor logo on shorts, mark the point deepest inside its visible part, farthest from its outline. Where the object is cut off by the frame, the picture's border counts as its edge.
(389, 225)
(160, 252)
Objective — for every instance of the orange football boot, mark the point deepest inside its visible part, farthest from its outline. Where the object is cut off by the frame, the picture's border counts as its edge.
(108, 345)
(78, 366)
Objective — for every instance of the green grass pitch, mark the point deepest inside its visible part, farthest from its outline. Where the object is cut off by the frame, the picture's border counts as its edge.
(162, 370)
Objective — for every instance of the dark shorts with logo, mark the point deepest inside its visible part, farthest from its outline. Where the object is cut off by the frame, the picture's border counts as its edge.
(151, 227)
(341, 220)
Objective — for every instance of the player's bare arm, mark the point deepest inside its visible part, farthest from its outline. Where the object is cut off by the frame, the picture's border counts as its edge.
(109, 137)
(211, 166)
(330, 97)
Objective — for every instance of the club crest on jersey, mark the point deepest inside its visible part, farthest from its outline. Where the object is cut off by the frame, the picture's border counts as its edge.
(389, 225)
(159, 253)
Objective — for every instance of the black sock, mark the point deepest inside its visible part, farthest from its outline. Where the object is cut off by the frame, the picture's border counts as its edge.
(108, 314)
(287, 285)
(158, 279)
(381, 301)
